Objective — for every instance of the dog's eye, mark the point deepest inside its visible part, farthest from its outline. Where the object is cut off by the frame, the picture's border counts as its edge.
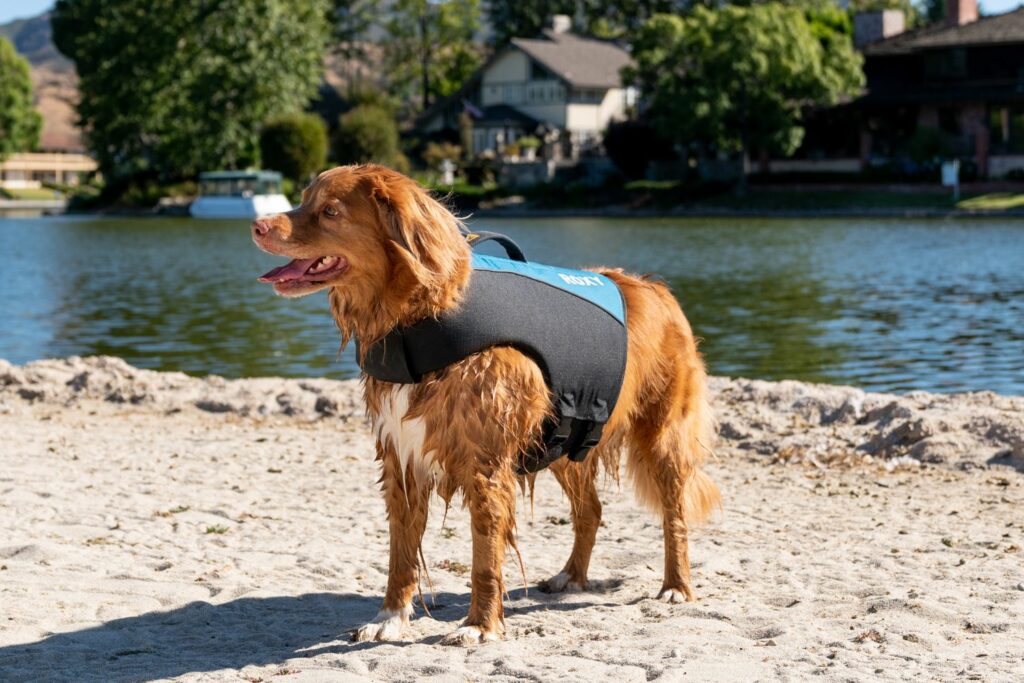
(330, 211)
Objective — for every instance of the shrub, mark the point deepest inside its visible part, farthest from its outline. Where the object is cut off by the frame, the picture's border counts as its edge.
(368, 133)
(927, 145)
(632, 145)
(436, 153)
(295, 145)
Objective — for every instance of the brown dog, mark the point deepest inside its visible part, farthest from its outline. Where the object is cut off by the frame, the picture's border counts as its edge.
(390, 255)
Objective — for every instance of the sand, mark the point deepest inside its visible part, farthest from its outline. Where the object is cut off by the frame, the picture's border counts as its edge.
(157, 526)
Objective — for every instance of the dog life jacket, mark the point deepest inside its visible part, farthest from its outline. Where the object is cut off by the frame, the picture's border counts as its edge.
(572, 323)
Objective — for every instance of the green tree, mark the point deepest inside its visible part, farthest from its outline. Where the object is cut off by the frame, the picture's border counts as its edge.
(430, 51)
(368, 133)
(350, 19)
(524, 18)
(738, 79)
(603, 18)
(295, 145)
(932, 11)
(20, 123)
(171, 87)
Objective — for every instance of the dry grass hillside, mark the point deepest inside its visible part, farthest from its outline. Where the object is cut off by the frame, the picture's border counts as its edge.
(56, 84)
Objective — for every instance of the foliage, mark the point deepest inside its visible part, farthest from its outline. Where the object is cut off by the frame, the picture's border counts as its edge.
(738, 78)
(370, 95)
(622, 18)
(436, 153)
(368, 133)
(295, 145)
(430, 50)
(932, 11)
(912, 15)
(927, 145)
(528, 142)
(603, 18)
(171, 87)
(633, 145)
(20, 123)
(349, 21)
(524, 18)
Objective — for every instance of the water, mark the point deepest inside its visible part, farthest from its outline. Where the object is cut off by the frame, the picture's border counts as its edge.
(885, 305)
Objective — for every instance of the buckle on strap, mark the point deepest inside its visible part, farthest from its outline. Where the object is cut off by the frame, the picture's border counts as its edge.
(590, 436)
(561, 433)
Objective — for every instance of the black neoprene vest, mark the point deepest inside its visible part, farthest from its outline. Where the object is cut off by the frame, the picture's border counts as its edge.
(571, 323)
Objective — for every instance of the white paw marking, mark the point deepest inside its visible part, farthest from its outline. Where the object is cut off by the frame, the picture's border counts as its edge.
(560, 583)
(407, 435)
(469, 635)
(671, 596)
(387, 625)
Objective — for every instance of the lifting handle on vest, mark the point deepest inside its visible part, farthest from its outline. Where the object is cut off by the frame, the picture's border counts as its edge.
(511, 248)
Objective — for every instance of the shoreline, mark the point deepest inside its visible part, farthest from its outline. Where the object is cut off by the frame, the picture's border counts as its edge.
(612, 212)
(155, 525)
(788, 419)
(618, 212)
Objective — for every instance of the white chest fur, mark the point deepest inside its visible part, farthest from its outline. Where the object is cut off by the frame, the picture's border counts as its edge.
(406, 435)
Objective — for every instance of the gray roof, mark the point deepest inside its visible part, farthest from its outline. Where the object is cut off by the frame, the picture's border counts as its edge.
(992, 30)
(579, 61)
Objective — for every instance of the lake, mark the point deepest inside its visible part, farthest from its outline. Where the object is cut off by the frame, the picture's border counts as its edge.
(889, 305)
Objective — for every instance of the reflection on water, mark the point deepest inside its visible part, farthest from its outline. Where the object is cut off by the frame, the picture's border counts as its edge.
(887, 305)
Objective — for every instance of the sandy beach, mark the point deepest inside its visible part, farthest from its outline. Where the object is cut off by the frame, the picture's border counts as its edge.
(158, 526)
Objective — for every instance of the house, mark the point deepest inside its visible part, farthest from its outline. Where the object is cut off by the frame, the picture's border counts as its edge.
(959, 83)
(29, 170)
(560, 87)
(963, 78)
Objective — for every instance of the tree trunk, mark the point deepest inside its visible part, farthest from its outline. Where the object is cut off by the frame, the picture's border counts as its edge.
(424, 60)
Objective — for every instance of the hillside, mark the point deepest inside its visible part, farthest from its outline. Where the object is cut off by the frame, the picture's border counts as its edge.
(56, 84)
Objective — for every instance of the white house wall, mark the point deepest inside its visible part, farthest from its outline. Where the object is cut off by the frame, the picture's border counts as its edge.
(596, 117)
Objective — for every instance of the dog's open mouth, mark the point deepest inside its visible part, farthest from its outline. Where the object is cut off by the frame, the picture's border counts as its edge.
(311, 271)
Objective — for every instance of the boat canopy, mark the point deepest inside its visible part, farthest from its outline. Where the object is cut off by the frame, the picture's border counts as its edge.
(239, 183)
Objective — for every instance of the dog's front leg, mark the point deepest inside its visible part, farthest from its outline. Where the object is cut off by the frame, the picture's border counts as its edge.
(492, 511)
(407, 518)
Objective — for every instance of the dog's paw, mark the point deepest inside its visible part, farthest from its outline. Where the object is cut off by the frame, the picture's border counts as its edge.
(673, 596)
(387, 625)
(465, 636)
(560, 583)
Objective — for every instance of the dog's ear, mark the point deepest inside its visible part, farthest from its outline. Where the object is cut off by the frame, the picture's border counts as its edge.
(391, 212)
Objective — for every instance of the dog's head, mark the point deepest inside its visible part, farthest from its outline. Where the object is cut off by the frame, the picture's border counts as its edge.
(382, 245)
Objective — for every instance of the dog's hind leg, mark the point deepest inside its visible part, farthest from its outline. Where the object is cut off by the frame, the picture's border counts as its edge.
(664, 463)
(407, 518)
(578, 481)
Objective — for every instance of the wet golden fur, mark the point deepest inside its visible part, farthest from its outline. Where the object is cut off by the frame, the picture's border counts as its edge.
(407, 260)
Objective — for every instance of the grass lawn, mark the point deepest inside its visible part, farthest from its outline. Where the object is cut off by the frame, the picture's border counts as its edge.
(993, 201)
(777, 199)
(29, 193)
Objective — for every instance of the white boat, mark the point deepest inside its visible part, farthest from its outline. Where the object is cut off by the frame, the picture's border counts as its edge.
(239, 194)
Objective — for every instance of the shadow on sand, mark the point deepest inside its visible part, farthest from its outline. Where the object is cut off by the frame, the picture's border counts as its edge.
(200, 637)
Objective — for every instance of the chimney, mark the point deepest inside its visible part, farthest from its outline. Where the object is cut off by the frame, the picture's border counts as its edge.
(870, 27)
(960, 12)
(562, 23)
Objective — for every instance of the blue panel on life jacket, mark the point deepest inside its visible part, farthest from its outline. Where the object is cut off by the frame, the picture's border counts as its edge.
(587, 285)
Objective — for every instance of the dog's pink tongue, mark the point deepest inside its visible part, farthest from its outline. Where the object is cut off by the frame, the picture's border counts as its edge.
(292, 270)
